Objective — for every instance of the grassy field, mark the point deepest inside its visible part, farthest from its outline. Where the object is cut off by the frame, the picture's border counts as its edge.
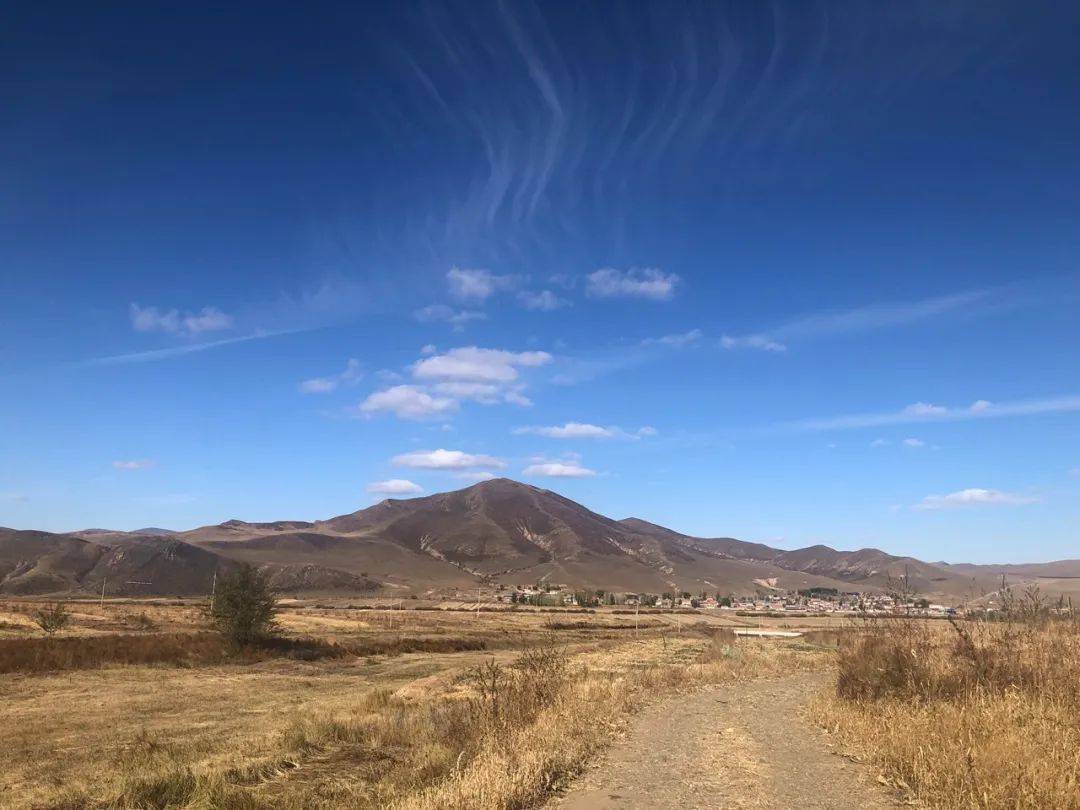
(138, 705)
(355, 707)
(975, 715)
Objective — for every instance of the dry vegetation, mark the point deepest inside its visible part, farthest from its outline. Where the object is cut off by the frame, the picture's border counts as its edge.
(976, 714)
(372, 726)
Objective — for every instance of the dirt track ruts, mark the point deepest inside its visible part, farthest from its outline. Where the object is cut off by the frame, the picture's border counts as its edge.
(741, 745)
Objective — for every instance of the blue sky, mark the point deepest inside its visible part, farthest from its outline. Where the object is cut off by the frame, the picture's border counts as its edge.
(790, 272)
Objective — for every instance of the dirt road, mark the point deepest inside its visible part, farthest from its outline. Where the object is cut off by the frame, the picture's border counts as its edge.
(740, 745)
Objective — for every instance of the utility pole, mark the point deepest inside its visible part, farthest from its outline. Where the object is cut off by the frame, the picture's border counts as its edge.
(477, 601)
(106, 579)
(213, 592)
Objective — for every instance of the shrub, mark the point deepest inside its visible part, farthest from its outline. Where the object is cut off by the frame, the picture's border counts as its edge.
(982, 714)
(244, 606)
(53, 618)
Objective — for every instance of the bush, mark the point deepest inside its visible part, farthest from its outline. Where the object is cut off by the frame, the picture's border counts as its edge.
(52, 619)
(244, 606)
(979, 714)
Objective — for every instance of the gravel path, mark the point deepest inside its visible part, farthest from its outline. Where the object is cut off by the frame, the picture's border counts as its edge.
(741, 745)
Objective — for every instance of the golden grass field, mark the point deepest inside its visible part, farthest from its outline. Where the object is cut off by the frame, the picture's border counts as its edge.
(976, 715)
(356, 730)
(499, 709)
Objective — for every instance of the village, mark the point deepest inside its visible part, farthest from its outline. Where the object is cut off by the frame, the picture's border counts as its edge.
(766, 600)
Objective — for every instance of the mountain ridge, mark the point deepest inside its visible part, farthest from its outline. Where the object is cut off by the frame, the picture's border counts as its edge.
(495, 532)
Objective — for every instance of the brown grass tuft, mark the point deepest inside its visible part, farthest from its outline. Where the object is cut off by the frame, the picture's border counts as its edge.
(978, 714)
(176, 649)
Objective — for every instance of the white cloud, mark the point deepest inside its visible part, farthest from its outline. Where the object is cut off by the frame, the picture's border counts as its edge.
(923, 412)
(428, 348)
(911, 442)
(974, 497)
(925, 409)
(980, 405)
(558, 469)
(14, 497)
(515, 397)
(151, 319)
(408, 402)
(325, 385)
(474, 364)
(480, 475)
(394, 486)
(476, 285)
(441, 312)
(762, 342)
(572, 430)
(544, 300)
(446, 460)
(484, 393)
(131, 465)
(676, 341)
(879, 443)
(584, 430)
(443, 381)
(648, 282)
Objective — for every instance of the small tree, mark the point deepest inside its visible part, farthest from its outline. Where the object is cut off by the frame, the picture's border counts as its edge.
(244, 605)
(53, 618)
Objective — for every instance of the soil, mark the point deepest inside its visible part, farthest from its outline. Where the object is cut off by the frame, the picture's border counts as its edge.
(742, 745)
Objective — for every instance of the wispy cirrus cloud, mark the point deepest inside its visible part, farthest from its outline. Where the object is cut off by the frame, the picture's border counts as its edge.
(172, 321)
(926, 412)
(152, 355)
(649, 283)
(133, 465)
(477, 285)
(541, 300)
(584, 430)
(966, 498)
(457, 318)
(865, 319)
(325, 385)
(679, 340)
(333, 300)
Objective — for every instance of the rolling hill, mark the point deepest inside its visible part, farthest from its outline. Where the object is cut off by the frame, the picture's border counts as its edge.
(497, 531)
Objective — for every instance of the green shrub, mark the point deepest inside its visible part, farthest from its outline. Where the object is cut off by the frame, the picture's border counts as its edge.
(244, 606)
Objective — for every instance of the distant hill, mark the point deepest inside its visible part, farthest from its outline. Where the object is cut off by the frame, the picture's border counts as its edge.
(497, 531)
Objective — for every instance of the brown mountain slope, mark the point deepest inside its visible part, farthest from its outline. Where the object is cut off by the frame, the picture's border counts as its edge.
(865, 569)
(503, 531)
(498, 531)
(40, 562)
(144, 565)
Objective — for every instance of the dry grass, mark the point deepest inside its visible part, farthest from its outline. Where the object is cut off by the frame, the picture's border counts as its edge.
(444, 729)
(982, 715)
(38, 655)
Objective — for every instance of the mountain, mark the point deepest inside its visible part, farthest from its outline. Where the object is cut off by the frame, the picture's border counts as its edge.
(495, 532)
(866, 569)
